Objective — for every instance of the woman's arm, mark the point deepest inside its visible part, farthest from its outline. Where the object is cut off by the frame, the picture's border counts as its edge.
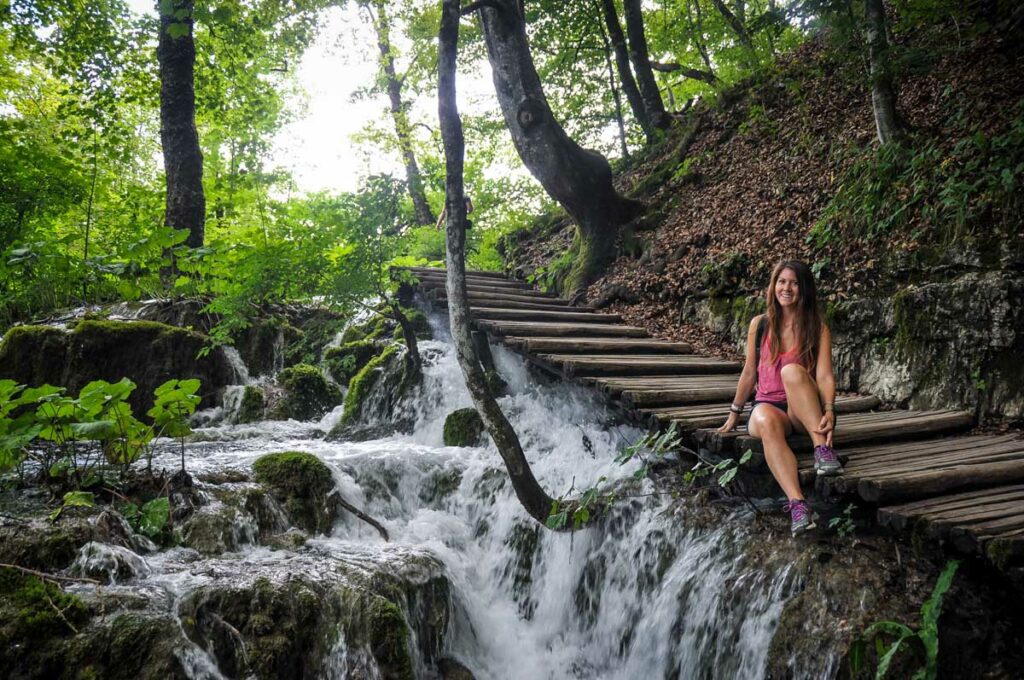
(747, 378)
(826, 381)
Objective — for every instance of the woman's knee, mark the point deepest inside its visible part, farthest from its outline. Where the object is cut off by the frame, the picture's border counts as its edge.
(768, 424)
(794, 374)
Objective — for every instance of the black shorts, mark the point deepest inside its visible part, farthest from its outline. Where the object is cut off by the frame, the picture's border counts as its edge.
(781, 405)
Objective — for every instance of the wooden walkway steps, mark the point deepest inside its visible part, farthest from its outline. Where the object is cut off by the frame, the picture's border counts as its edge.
(915, 467)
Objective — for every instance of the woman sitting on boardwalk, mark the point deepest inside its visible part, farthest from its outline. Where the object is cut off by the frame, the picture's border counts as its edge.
(789, 357)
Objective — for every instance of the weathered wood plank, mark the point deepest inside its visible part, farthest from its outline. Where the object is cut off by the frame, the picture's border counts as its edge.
(639, 364)
(585, 345)
(546, 304)
(880, 452)
(932, 483)
(899, 468)
(897, 516)
(469, 272)
(431, 278)
(550, 329)
(491, 289)
(706, 415)
(570, 316)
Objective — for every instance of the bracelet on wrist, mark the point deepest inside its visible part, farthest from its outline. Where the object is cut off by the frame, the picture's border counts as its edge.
(830, 407)
(736, 409)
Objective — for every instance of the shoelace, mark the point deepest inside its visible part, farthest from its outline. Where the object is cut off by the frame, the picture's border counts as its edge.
(797, 508)
(825, 453)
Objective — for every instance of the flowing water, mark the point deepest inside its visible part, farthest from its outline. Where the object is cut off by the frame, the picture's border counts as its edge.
(644, 594)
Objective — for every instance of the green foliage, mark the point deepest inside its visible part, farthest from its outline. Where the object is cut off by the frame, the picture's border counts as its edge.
(151, 518)
(40, 608)
(725, 469)
(943, 191)
(843, 524)
(307, 394)
(363, 382)
(67, 437)
(74, 499)
(463, 427)
(927, 634)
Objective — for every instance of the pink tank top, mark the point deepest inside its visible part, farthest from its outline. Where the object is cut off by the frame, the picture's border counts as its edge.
(769, 375)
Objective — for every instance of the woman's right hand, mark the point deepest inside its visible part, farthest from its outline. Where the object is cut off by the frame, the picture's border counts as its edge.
(730, 423)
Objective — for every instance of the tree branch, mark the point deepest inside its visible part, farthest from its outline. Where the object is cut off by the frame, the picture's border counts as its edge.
(479, 4)
(694, 73)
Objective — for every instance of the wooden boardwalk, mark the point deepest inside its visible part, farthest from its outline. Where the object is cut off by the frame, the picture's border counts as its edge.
(915, 467)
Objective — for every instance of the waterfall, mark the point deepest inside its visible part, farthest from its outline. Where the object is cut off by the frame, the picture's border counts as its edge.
(653, 589)
(238, 367)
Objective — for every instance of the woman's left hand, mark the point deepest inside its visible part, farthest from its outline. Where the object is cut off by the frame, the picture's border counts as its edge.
(827, 426)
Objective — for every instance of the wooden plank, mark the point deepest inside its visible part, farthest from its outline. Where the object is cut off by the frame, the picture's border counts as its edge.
(433, 277)
(638, 364)
(972, 538)
(896, 516)
(441, 296)
(593, 345)
(708, 414)
(548, 329)
(549, 305)
(899, 468)
(491, 289)
(650, 398)
(927, 448)
(469, 272)
(943, 481)
(853, 428)
(538, 315)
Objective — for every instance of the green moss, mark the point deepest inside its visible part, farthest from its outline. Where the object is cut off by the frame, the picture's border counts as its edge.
(308, 394)
(419, 323)
(33, 602)
(389, 639)
(33, 355)
(300, 482)
(363, 382)
(463, 427)
(346, 361)
(252, 407)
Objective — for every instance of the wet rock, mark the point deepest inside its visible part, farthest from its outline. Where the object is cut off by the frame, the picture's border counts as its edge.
(302, 484)
(373, 396)
(463, 427)
(344, 362)
(147, 352)
(108, 563)
(453, 669)
(307, 394)
(252, 408)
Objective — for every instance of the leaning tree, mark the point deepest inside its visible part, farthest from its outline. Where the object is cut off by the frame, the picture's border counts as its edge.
(579, 179)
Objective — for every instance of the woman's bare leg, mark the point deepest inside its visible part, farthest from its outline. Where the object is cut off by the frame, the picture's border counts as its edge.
(804, 403)
(771, 425)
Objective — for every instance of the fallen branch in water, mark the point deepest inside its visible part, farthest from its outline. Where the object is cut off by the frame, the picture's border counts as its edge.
(363, 516)
(49, 577)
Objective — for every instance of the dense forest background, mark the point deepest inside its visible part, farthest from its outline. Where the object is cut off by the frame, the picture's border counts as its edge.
(97, 205)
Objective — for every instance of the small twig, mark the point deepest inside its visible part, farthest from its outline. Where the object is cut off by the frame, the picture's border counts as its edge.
(49, 577)
(363, 516)
(60, 612)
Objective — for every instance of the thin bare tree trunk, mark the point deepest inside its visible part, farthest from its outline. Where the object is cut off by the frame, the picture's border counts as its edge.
(641, 59)
(399, 115)
(888, 123)
(618, 40)
(615, 90)
(183, 159)
(738, 28)
(529, 492)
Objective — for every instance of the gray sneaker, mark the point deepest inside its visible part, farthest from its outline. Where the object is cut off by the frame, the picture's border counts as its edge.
(825, 461)
(801, 517)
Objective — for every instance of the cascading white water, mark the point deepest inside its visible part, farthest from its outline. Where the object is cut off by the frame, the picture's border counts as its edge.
(643, 594)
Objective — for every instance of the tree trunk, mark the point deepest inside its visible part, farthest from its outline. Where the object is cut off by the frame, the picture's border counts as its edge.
(529, 492)
(888, 123)
(618, 40)
(642, 64)
(615, 91)
(183, 160)
(697, 31)
(737, 26)
(399, 115)
(415, 362)
(579, 179)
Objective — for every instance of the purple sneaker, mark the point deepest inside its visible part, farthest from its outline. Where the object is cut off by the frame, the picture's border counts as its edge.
(800, 515)
(825, 461)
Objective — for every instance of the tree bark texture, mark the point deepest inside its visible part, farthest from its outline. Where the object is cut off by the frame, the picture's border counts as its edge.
(629, 87)
(529, 492)
(640, 57)
(399, 115)
(579, 179)
(616, 97)
(183, 160)
(888, 123)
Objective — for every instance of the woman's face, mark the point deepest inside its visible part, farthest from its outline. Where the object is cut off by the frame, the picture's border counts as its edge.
(787, 291)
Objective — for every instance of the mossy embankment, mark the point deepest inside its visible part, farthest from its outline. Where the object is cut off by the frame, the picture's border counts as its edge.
(917, 249)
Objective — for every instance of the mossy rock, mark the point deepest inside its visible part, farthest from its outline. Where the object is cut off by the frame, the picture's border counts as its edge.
(301, 482)
(253, 406)
(307, 393)
(389, 639)
(463, 428)
(365, 380)
(420, 325)
(344, 362)
(147, 352)
(30, 603)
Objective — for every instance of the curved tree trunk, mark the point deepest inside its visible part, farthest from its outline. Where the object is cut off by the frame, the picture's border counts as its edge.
(529, 492)
(183, 160)
(642, 64)
(399, 115)
(888, 123)
(618, 40)
(579, 179)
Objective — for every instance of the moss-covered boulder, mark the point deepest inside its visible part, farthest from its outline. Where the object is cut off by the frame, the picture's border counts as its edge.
(301, 483)
(374, 395)
(307, 394)
(463, 427)
(420, 325)
(344, 362)
(147, 352)
(253, 405)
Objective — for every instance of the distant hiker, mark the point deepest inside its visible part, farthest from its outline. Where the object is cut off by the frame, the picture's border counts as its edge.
(789, 359)
(444, 213)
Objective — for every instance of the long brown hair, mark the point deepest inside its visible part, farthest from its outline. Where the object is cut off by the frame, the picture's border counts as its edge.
(809, 320)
